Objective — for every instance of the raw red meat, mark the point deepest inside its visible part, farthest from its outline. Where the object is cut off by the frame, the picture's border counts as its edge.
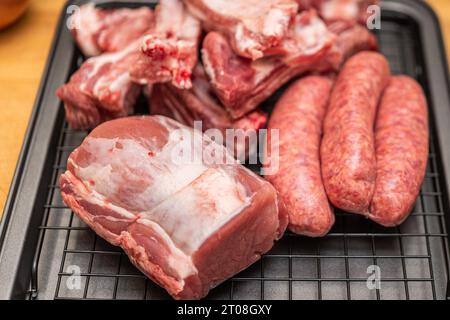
(108, 30)
(187, 224)
(241, 84)
(252, 26)
(340, 14)
(200, 104)
(101, 89)
(170, 50)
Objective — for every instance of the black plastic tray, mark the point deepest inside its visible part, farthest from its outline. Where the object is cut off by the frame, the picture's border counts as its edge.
(40, 239)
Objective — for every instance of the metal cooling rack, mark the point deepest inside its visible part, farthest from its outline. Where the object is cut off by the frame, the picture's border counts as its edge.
(412, 258)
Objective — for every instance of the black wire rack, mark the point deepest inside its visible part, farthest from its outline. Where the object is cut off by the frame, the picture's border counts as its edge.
(71, 262)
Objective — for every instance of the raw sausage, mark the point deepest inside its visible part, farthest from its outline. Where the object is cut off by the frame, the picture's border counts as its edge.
(299, 117)
(401, 140)
(348, 151)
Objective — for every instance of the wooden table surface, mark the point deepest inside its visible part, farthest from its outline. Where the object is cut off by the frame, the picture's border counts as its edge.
(23, 52)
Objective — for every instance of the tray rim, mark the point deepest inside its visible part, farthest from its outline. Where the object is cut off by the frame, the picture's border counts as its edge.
(17, 212)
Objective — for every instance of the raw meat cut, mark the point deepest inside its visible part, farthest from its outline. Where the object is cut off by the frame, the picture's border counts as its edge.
(298, 118)
(241, 84)
(348, 146)
(108, 30)
(340, 14)
(155, 188)
(170, 50)
(401, 140)
(101, 89)
(200, 104)
(252, 26)
(354, 40)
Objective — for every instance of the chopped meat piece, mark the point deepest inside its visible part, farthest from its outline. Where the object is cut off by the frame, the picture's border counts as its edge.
(101, 89)
(241, 84)
(354, 40)
(108, 30)
(200, 104)
(170, 51)
(348, 43)
(252, 26)
(188, 225)
(348, 159)
(340, 14)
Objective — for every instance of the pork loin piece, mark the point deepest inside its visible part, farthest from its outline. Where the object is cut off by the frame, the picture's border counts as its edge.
(108, 30)
(187, 224)
(241, 84)
(169, 52)
(101, 89)
(200, 104)
(252, 26)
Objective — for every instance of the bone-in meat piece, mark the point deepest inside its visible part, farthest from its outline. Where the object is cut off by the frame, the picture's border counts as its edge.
(170, 50)
(241, 84)
(108, 30)
(187, 224)
(200, 104)
(101, 89)
(252, 26)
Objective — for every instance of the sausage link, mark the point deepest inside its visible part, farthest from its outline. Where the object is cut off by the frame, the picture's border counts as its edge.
(401, 140)
(299, 117)
(348, 151)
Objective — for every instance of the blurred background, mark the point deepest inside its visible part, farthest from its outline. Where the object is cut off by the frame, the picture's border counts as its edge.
(26, 31)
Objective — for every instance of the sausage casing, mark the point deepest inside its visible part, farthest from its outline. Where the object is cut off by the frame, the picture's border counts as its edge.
(401, 139)
(348, 148)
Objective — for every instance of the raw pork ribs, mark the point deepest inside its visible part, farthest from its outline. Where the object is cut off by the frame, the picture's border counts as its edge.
(252, 26)
(101, 89)
(170, 50)
(187, 224)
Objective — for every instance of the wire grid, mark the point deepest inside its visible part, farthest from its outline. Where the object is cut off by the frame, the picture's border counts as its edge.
(412, 258)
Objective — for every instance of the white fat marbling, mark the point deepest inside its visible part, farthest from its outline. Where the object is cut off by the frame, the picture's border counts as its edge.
(196, 212)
